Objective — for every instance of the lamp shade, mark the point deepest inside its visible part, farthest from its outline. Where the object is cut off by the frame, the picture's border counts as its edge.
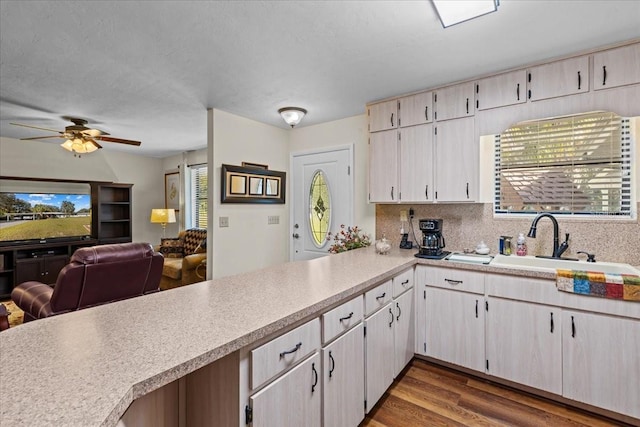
(292, 115)
(163, 216)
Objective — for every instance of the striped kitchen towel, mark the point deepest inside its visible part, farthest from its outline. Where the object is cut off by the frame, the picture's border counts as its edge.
(595, 283)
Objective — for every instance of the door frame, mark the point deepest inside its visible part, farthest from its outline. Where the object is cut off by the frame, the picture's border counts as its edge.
(351, 180)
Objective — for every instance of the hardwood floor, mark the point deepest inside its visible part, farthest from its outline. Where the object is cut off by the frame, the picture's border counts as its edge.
(430, 395)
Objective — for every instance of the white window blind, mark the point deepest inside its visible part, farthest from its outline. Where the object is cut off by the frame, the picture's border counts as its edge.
(575, 165)
(199, 185)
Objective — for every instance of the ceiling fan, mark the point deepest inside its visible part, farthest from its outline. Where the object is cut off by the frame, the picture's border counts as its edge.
(78, 137)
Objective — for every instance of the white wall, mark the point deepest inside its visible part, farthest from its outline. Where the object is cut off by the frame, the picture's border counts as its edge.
(35, 159)
(352, 130)
(248, 243)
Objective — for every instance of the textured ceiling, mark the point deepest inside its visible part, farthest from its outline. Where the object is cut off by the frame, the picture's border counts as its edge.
(148, 70)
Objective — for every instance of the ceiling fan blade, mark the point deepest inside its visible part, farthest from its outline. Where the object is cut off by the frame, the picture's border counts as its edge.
(41, 137)
(94, 132)
(91, 140)
(36, 127)
(118, 140)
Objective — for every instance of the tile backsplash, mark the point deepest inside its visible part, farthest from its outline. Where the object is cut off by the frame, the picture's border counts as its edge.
(465, 225)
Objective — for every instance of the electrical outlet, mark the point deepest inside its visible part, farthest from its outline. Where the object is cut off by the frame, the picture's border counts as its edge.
(403, 216)
(223, 221)
(273, 219)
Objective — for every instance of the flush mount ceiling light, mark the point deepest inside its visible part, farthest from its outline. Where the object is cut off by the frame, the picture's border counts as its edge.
(454, 12)
(292, 115)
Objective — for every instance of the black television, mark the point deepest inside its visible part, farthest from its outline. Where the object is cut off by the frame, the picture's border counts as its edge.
(43, 212)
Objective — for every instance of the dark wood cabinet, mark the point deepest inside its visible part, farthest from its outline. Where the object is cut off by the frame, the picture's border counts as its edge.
(38, 261)
(111, 212)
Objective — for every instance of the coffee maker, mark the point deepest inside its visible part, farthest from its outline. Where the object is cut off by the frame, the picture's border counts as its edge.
(432, 239)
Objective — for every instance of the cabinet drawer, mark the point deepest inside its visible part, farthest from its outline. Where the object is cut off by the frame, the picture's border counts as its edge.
(377, 297)
(459, 280)
(283, 352)
(342, 318)
(402, 282)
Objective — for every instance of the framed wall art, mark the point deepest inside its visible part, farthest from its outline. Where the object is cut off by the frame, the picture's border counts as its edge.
(241, 184)
(172, 190)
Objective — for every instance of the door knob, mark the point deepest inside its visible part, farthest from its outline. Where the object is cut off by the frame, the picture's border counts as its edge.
(296, 236)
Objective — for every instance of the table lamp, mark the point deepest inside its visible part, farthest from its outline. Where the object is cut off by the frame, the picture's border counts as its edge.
(163, 216)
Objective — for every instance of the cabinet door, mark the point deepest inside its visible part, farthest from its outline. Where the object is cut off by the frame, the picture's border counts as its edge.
(343, 380)
(559, 78)
(456, 153)
(524, 343)
(455, 327)
(29, 269)
(291, 400)
(404, 330)
(454, 101)
(383, 116)
(501, 90)
(378, 354)
(616, 67)
(600, 361)
(416, 109)
(416, 164)
(52, 267)
(383, 166)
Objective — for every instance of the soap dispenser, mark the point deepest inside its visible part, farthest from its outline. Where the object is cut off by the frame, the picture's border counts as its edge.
(521, 245)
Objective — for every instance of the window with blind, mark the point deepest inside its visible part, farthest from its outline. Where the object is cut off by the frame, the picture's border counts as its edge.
(198, 202)
(574, 165)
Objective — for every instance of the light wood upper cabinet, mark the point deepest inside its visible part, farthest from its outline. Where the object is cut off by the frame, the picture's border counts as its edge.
(454, 101)
(600, 361)
(383, 116)
(503, 89)
(559, 78)
(416, 164)
(383, 166)
(524, 343)
(616, 67)
(456, 154)
(416, 109)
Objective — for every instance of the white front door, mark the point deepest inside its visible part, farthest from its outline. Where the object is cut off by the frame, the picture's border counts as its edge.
(322, 199)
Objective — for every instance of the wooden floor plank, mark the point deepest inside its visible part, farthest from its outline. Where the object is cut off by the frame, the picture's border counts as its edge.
(426, 394)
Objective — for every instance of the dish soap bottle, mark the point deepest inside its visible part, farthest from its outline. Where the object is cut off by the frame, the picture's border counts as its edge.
(521, 245)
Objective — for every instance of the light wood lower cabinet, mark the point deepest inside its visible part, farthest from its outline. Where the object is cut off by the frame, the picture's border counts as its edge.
(343, 380)
(404, 331)
(524, 343)
(600, 364)
(379, 354)
(455, 327)
(293, 400)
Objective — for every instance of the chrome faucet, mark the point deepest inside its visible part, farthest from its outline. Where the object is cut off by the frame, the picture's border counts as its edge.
(558, 249)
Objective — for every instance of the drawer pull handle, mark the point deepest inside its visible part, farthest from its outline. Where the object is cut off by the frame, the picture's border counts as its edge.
(379, 297)
(293, 350)
(315, 377)
(405, 282)
(453, 282)
(391, 313)
(346, 318)
(332, 366)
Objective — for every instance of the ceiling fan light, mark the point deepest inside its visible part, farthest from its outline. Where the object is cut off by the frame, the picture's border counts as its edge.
(67, 145)
(292, 115)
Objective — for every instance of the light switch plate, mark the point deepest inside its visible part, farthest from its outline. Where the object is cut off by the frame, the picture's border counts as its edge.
(273, 219)
(223, 221)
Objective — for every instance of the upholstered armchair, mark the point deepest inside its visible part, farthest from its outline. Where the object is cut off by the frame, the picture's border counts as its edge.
(95, 275)
(182, 257)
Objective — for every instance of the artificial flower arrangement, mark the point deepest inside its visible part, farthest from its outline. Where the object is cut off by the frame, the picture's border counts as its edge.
(348, 238)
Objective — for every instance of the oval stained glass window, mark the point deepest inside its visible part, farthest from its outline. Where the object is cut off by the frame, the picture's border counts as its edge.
(319, 209)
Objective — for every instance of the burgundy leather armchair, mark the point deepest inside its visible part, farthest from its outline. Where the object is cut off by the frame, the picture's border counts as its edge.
(95, 275)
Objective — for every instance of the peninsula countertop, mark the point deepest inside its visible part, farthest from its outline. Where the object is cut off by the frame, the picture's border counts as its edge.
(86, 367)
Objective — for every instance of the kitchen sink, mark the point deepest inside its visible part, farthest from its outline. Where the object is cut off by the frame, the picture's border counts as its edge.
(551, 265)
